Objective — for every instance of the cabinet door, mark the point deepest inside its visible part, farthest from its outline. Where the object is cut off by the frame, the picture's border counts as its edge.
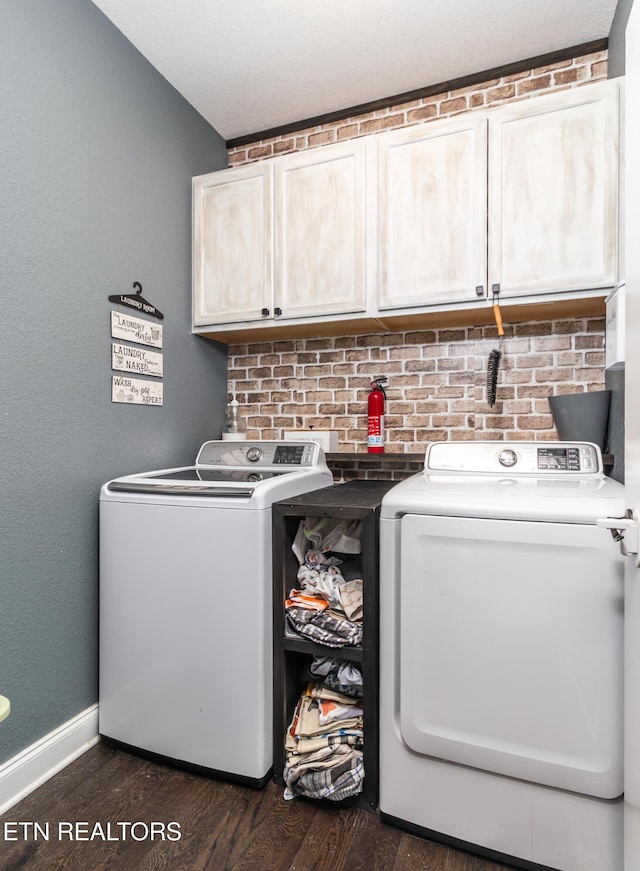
(232, 244)
(553, 192)
(432, 213)
(320, 212)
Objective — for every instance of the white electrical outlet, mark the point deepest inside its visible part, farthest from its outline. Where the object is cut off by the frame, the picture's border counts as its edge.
(327, 439)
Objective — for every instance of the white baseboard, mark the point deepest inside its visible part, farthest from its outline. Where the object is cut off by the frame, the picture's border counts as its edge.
(36, 764)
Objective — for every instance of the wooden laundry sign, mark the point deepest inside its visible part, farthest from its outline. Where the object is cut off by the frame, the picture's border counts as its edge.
(139, 361)
(136, 391)
(130, 359)
(133, 329)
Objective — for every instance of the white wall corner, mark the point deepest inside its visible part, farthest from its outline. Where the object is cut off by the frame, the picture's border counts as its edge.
(36, 764)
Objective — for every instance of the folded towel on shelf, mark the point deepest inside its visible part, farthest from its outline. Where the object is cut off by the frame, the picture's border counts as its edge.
(333, 772)
(327, 627)
(338, 674)
(324, 758)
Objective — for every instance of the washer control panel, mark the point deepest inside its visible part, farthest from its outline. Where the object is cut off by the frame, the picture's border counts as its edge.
(293, 455)
(507, 458)
(518, 458)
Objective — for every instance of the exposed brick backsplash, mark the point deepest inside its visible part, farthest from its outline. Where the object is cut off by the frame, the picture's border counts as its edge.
(377, 467)
(437, 382)
(437, 378)
(495, 92)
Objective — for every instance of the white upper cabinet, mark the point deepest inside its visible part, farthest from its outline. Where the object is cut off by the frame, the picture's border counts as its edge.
(320, 238)
(233, 245)
(553, 185)
(425, 219)
(432, 213)
(281, 238)
(532, 208)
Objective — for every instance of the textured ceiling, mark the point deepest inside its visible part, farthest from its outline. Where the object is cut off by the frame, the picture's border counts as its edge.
(251, 65)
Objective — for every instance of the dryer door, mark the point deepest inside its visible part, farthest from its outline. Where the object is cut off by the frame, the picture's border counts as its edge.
(511, 649)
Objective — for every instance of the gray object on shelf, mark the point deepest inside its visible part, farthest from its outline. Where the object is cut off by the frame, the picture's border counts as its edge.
(582, 416)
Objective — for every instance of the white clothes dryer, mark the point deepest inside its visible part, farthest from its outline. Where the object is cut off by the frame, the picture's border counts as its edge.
(185, 605)
(501, 619)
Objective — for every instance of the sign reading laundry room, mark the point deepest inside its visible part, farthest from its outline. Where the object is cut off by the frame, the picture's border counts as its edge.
(134, 329)
(137, 301)
(140, 361)
(136, 391)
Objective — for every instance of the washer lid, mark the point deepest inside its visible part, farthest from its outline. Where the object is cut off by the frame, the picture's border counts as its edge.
(195, 480)
(230, 468)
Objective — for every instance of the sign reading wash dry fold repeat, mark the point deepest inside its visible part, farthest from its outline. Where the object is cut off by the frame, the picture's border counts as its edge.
(135, 390)
(132, 360)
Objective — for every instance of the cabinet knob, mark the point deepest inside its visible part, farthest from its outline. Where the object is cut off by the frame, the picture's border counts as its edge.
(265, 312)
(480, 290)
(277, 311)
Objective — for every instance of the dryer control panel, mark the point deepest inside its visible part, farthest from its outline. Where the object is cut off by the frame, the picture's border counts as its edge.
(518, 458)
(567, 459)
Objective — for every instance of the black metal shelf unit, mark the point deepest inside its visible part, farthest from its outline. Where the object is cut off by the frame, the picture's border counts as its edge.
(354, 500)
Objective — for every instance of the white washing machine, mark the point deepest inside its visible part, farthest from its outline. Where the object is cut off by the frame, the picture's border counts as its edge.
(501, 619)
(185, 605)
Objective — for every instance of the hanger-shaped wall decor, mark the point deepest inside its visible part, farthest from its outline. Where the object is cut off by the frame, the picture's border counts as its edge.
(137, 301)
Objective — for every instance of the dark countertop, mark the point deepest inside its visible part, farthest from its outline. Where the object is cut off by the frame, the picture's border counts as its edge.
(361, 494)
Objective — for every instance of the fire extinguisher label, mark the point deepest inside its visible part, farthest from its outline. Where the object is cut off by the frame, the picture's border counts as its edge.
(375, 437)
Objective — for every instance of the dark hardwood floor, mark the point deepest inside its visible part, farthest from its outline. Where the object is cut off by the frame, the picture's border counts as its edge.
(224, 827)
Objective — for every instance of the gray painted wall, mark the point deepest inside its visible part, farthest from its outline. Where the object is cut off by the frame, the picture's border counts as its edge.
(96, 158)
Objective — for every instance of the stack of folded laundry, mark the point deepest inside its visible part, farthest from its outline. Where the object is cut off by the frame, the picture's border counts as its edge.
(327, 605)
(324, 741)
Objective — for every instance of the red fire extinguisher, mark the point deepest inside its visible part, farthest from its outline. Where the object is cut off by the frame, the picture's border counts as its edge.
(375, 410)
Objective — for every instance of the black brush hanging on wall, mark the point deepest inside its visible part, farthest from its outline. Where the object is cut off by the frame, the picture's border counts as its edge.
(495, 355)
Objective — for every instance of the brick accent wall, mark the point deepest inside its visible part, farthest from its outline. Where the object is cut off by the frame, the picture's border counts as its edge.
(437, 382)
(377, 467)
(437, 378)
